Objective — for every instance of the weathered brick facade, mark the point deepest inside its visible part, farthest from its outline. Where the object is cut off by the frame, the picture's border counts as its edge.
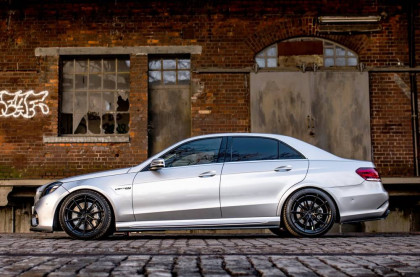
(230, 33)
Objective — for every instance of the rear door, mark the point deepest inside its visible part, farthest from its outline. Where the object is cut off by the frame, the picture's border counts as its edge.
(257, 171)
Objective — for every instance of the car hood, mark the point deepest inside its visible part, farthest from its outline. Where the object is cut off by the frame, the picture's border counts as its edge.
(96, 175)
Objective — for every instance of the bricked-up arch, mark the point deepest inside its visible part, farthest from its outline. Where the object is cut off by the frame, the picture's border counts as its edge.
(268, 33)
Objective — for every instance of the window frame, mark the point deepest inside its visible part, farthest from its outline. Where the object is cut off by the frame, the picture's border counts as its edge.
(220, 154)
(326, 44)
(89, 91)
(162, 70)
(229, 145)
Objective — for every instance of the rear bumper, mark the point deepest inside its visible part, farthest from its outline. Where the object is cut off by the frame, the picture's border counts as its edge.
(364, 202)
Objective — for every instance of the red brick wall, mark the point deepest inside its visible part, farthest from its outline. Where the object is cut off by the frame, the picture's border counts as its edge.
(230, 32)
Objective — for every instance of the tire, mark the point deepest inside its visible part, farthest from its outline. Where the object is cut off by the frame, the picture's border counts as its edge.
(309, 213)
(86, 215)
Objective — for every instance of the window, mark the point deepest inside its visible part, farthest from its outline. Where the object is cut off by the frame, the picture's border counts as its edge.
(286, 152)
(169, 70)
(333, 54)
(252, 149)
(94, 96)
(267, 57)
(202, 151)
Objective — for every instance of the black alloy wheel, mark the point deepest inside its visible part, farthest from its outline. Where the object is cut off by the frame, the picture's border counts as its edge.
(86, 214)
(309, 213)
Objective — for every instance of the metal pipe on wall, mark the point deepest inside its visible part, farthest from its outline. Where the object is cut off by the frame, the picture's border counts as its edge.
(413, 82)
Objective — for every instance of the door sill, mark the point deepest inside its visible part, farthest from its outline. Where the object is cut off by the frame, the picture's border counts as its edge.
(218, 223)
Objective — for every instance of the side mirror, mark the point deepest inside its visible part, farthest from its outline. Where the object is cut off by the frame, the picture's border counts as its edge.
(157, 164)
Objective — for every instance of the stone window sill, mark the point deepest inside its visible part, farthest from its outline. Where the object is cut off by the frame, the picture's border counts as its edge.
(86, 139)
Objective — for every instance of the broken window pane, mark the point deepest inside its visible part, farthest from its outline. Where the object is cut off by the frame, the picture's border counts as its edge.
(80, 66)
(95, 81)
(79, 126)
(66, 126)
(350, 54)
(67, 82)
(155, 65)
(108, 124)
(169, 64)
(123, 81)
(123, 65)
(169, 77)
(92, 94)
(94, 123)
(109, 81)
(95, 66)
(95, 102)
(80, 102)
(109, 65)
(123, 120)
(81, 81)
(108, 101)
(155, 77)
(184, 64)
(67, 102)
(122, 101)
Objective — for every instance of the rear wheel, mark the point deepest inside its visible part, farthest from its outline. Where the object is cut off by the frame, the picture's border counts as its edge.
(86, 214)
(309, 213)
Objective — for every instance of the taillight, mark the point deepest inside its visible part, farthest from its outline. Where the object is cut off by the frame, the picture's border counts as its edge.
(368, 173)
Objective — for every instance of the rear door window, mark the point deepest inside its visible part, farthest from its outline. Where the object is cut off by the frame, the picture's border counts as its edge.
(252, 149)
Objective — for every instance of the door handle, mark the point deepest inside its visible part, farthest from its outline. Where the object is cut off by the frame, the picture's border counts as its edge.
(283, 168)
(207, 174)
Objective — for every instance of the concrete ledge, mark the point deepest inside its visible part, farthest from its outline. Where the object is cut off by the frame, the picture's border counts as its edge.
(400, 180)
(24, 182)
(92, 139)
(135, 50)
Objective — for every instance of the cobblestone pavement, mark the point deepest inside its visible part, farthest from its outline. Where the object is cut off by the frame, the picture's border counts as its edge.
(210, 255)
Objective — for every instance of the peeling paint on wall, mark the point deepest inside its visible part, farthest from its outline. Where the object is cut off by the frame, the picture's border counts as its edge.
(22, 104)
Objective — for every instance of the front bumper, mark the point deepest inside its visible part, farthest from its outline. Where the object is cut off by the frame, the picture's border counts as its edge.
(43, 211)
(367, 201)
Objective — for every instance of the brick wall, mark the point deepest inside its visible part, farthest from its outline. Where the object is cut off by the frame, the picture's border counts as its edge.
(230, 33)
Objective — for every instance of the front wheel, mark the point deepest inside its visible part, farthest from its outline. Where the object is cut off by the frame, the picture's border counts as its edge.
(309, 213)
(86, 214)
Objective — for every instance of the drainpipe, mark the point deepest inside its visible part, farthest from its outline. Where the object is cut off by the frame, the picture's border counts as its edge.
(413, 83)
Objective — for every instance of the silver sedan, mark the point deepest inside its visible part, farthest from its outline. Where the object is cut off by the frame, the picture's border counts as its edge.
(220, 181)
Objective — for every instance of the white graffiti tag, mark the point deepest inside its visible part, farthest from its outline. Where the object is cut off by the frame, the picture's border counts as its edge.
(22, 103)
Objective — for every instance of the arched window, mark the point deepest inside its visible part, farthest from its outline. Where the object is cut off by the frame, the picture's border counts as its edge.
(323, 51)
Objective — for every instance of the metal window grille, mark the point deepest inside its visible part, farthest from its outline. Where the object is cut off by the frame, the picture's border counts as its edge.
(94, 96)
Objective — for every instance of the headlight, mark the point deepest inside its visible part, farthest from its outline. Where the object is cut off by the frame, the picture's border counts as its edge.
(51, 188)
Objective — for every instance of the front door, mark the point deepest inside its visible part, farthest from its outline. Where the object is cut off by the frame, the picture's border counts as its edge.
(186, 189)
(169, 116)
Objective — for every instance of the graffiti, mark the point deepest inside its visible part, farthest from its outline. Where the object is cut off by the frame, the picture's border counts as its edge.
(22, 104)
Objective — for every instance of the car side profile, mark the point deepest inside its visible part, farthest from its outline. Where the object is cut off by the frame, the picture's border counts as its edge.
(219, 181)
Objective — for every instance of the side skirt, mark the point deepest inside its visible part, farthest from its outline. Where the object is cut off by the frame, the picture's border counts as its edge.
(218, 223)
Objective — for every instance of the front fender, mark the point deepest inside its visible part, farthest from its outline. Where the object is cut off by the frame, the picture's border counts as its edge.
(117, 189)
